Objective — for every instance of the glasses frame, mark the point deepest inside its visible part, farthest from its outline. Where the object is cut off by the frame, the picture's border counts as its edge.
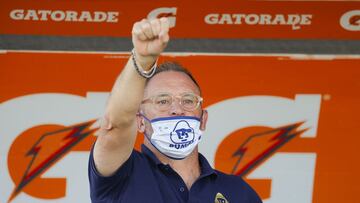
(173, 97)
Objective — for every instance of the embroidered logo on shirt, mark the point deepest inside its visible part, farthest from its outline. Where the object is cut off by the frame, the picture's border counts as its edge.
(219, 198)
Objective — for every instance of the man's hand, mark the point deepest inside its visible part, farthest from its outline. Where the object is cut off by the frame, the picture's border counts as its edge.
(150, 38)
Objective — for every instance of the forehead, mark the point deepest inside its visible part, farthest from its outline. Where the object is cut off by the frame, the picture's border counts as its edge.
(171, 82)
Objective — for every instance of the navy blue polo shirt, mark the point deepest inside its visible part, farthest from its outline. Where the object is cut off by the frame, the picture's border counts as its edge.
(143, 178)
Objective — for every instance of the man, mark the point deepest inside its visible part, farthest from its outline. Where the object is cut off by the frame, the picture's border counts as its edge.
(165, 105)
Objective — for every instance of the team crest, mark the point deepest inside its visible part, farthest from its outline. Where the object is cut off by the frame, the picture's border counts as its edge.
(182, 133)
(219, 198)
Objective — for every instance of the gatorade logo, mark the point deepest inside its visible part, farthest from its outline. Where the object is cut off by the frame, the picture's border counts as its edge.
(47, 149)
(38, 149)
(64, 16)
(259, 144)
(169, 12)
(351, 20)
(295, 21)
(251, 142)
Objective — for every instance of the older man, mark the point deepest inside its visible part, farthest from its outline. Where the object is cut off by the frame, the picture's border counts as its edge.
(165, 104)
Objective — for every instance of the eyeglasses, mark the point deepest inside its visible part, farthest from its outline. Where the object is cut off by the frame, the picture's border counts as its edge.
(163, 101)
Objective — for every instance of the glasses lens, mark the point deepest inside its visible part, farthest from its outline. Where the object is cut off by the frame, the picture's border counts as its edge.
(163, 101)
(189, 101)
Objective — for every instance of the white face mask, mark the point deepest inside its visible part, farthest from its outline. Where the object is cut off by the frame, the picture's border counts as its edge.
(176, 137)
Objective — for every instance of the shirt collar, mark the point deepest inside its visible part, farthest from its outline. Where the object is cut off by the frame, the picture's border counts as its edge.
(145, 150)
(206, 169)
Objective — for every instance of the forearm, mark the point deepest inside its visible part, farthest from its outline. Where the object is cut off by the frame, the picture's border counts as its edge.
(127, 93)
(117, 134)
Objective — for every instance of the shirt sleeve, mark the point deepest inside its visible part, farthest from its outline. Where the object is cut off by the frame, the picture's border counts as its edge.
(104, 188)
(256, 198)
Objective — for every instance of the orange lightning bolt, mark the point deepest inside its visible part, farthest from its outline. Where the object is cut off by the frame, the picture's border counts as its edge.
(49, 148)
(259, 146)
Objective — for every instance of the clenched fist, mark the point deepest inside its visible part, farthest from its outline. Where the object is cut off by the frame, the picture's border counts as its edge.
(150, 38)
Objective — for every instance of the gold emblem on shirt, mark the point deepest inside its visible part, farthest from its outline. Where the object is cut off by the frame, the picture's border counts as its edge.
(219, 198)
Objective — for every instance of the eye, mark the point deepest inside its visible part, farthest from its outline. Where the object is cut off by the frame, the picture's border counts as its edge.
(163, 100)
(188, 100)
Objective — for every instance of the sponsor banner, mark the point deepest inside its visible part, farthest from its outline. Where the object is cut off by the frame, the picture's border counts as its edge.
(202, 19)
(288, 124)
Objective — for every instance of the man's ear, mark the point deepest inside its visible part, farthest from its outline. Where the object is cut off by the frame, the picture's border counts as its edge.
(203, 120)
(140, 123)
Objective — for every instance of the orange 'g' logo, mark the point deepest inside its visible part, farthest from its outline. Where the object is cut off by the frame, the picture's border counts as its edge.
(38, 149)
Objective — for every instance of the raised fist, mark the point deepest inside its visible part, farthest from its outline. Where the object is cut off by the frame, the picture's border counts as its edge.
(150, 37)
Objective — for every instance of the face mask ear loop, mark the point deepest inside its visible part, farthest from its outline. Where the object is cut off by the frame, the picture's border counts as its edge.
(140, 114)
(146, 135)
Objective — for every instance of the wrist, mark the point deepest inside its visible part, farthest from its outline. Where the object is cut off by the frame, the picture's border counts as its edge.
(143, 72)
(145, 62)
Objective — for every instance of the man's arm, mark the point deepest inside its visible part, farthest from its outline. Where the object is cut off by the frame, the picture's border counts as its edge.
(117, 134)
